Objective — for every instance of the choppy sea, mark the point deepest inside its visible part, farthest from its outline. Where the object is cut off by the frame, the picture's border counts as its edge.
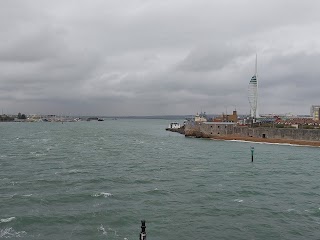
(97, 180)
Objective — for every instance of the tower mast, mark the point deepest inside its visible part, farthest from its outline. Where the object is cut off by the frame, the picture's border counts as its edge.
(257, 94)
(256, 68)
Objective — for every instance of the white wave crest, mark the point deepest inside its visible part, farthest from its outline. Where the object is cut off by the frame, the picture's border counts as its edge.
(5, 220)
(291, 210)
(27, 195)
(104, 194)
(238, 200)
(101, 228)
(10, 232)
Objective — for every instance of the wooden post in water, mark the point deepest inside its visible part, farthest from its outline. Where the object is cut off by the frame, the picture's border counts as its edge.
(252, 150)
(143, 234)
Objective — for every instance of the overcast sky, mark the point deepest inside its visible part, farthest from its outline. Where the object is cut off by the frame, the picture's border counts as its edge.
(156, 57)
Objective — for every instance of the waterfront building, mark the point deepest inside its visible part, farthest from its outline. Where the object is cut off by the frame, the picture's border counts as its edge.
(231, 117)
(202, 117)
(315, 112)
(174, 125)
(227, 117)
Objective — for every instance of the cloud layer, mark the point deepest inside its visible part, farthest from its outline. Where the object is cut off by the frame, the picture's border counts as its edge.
(148, 57)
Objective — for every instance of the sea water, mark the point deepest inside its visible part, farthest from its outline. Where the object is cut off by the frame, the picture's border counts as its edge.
(98, 180)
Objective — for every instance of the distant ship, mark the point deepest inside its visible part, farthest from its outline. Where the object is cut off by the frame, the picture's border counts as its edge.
(95, 119)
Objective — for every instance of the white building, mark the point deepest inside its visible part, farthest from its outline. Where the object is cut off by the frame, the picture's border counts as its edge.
(314, 112)
(174, 125)
(200, 117)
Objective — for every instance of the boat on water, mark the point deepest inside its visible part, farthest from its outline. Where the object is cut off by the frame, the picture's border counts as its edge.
(95, 119)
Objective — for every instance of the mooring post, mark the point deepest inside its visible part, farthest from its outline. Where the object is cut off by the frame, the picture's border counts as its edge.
(143, 234)
(252, 150)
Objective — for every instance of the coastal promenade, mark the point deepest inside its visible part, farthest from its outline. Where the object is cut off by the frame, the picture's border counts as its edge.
(268, 140)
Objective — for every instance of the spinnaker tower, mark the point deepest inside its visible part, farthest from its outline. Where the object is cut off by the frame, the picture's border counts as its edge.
(253, 93)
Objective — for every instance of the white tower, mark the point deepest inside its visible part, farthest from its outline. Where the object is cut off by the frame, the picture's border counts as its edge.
(253, 93)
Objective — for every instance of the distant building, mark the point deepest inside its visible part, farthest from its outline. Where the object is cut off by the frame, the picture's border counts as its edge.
(227, 118)
(314, 112)
(174, 125)
(230, 118)
(202, 117)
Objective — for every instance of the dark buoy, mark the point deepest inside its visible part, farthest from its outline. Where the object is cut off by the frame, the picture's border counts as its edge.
(252, 150)
(143, 234)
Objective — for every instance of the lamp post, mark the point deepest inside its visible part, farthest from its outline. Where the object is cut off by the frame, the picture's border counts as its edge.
(143, 234)
(252, 150)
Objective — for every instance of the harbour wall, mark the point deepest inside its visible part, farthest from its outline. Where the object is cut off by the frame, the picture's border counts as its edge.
(212, 130)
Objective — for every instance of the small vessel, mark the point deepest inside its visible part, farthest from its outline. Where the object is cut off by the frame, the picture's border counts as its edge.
(95, 119)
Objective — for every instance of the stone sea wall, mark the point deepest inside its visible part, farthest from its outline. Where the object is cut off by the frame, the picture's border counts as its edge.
(211, 130)
(279, 133)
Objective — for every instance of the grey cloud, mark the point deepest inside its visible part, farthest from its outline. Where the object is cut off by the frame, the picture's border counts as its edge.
(42, 45)
(157, 57)
(211, 57)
